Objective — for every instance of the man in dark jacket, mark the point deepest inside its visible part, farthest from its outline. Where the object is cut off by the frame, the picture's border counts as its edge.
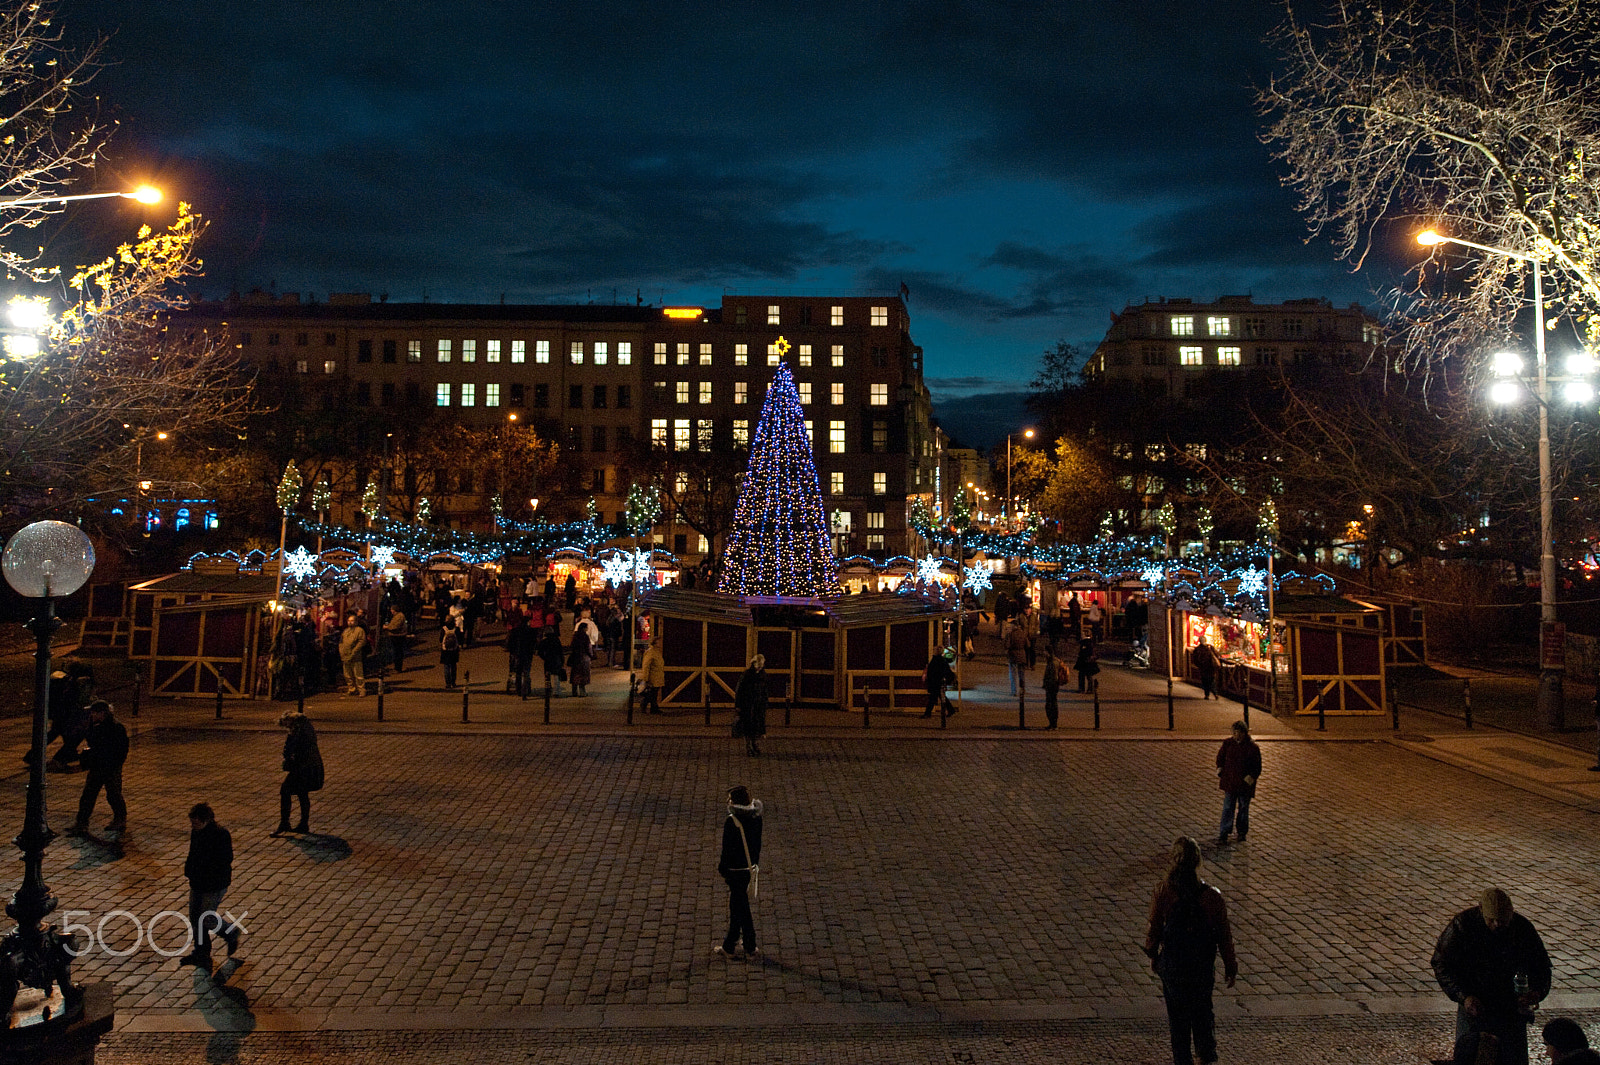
(104, 758)
(521, 642)
(209, 869)
(1493, 965)
(939, 676)
(1238, 769)
(740, 865)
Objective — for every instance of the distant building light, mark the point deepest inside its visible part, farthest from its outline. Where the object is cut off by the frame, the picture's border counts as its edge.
(683, 312)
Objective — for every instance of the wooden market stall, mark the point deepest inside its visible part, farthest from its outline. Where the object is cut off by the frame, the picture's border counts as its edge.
(196, 632)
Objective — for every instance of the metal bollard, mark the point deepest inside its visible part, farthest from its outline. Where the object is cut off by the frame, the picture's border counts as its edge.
(1394, 705)
(1171, 722)
(1094, 686)
(219, 700)
(1022, 723)
(300, 704)
(466, 690)
(632, 684)
(138, 686)
(1466, 698)
(1593, 769)
(788, 705)
(547, 698)
(1246, 699)
(866, 707)
(1322, 718)
(380, 698)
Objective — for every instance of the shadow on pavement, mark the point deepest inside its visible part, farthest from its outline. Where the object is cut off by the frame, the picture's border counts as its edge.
(322, 848)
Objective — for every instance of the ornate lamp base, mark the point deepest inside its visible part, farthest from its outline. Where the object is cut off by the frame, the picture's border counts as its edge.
(62, 1040)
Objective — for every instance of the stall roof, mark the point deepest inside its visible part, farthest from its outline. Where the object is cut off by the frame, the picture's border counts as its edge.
(692, 603)
(188, 582)
(845, 611)
(1320, 604)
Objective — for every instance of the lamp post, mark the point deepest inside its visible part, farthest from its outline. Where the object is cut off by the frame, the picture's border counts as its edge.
(42, 561)
(1550, 689)
(143, 194)
(1028, 435)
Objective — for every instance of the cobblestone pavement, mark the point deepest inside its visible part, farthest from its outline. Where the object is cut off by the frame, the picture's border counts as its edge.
(525, 882)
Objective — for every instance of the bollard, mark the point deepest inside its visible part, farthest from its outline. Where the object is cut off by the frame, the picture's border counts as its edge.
(1022, 723)
(1394, 705)
(944, 710)
(706, 698)
(300, 704)
(1322, 718)
(1246, 698)
(788, 705)
(1593, 769)
(466, 686)
(219, 700)
(1094, 686)
(1466, 698)
(866, 707)
(632, 684)
(138, 685)
(1171, 723)
(380, 698)
(547, 698)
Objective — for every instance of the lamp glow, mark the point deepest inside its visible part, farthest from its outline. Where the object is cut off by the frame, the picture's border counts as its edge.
(1429, 237)
(1578, 391)
(145, 194)
(1581, 364)
(1505, 391)
(22, 347)
(1507, 364)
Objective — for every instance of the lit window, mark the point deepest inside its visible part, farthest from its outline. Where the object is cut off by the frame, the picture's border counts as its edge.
(702, 434)
(602, 352)
(836, 437)
(741, 432)
(441, 394)
(836, 315)
(880, 436)
(491, 351)
(661, 353)
(805, 355)
(804, 388)
(705, 354)
(773, 317)
(469, 351)
(442, 351)
(875, 542)
(880, 316)
(811, 436)
(880, 484)
(879, 395)
(874, 519)
(519, 351)
(1219, 326)
(683, 354)
(682, 391)
(1228, 356)
(741, 392)
(704, 545)
(772, 354)
(1182, 325)
(680, 434)
(469, 395)
(836, 483)
(658, 433)
(1191, 356)
(624, 353)
(330, 366)
(836, 394)
(491, 395)
(302, 366)
(705, 391)
(837, 359)
(575, 352)
(541, 351)
(741, 354)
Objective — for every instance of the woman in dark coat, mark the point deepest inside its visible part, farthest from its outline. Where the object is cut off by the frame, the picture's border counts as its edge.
(302, 761)
(579, 658)
(551, 654)
(750, 701)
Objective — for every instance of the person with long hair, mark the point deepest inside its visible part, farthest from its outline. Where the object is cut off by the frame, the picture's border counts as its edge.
(1188, 927)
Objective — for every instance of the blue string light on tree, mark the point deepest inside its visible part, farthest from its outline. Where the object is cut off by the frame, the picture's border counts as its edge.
(779, 544)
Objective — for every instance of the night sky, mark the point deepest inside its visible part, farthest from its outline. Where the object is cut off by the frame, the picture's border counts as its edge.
(1023, 168)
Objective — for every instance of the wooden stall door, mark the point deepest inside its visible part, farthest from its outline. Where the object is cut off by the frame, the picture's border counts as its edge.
(203, 648)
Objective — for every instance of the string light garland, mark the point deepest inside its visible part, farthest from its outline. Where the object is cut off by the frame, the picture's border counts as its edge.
(779, 544)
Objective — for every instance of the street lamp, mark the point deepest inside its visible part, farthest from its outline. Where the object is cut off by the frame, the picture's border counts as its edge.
(42, 561)
(1506, 367)
(142, 194)
(1028, 435)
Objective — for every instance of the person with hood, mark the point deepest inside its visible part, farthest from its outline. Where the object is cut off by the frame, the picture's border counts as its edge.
(302, 761)
(740, 866)
(103, 757)
(551, 654)
(1188, 927)
(939, 676)
(1238, 769)
(1492, 964)
(750, 703)
(580, 658)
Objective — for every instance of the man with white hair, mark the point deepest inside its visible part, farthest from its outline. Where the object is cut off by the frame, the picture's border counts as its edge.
(1493, 965)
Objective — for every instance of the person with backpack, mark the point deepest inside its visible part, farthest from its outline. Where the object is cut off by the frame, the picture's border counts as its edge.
(450, 653)
(1188, 927)
(1052, 687)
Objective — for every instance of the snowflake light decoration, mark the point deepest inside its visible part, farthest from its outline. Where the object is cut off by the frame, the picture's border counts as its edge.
(1153, 575)
(642, 570)
(1253, 582)
(928, 570)
(977, 579)
(382, 556)
(615, 569)
(299, 564)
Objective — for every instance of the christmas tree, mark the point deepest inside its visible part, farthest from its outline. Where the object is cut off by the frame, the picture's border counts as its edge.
(779, 545)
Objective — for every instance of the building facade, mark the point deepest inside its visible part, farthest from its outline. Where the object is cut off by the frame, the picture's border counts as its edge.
(606, 379)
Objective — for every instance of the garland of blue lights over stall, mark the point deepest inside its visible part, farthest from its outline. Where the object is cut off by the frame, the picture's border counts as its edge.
(779, 545)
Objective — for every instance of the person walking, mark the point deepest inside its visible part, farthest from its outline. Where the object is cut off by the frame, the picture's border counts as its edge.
(1051, 682)
(103, 758)
(551, 654)
(1086, 666)
(395, 628)
(1074, 618)
(1136, 612)
(449, 652)
(1238, 768)
(1492, 964)
(1016, 641)
(569, 592)
(353, 655)
(1566, 1043)
(1188, 928)
(939, 676)
(1097, 621)
(654, 669)
(740, 866)
(1205, 663)
(750, 703)
(1029, 620)
(521, 643)
(302, 762)
(580, 659)
(209, 870)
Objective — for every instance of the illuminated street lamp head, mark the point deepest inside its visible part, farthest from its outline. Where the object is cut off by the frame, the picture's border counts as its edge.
(1505, 391)
(1507, 364)
(1578, 391)
(1581, 364)
(145, 194)
(29, 312)
(1028, 433)
(1429, 238)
